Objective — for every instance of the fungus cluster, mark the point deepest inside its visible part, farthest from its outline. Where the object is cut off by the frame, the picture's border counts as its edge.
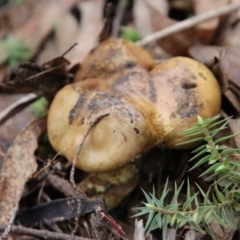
(144, 105)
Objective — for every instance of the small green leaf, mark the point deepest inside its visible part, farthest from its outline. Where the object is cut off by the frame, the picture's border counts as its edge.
(191, 141)
(222, 169)
(220, 196)
(150, 218)
(210, 169)
(208, 228)
(199, 148)
(222, 139)
(196, 227)
(164, 228)
(154, 224)
(199, 154)
(187, 204)
(229, 151)
(180, 216)
(200, 162)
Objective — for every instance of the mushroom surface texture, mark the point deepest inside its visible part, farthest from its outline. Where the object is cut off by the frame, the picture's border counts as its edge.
(141, 110)
(111, 56)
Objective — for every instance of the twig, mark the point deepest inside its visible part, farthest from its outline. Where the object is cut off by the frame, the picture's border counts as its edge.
(138, 230)
(118, 18)
(42, 233)
(77, 190)
(92, 124)
(188, 23)
(8, 228)
(17, 107)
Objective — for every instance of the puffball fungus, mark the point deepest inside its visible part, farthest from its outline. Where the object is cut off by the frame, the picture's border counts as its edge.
(142, 109)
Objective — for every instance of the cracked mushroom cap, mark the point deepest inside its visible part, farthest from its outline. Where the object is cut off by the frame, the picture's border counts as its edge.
(186, 89)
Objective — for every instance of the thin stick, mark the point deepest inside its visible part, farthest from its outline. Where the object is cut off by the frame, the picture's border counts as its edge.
(42, 233)
(188, 23)
(42, 73)
(118, 19)
(92, 124)
(67, 51)
(77, 190)
(8, 228)
(16, 106)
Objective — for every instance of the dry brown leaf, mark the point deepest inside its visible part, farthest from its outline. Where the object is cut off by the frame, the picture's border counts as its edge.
(41, 23)
(204, 53)
(206, 30)
(177, 43)
(230, 64)
(66, 34)
(234, 124)
(228, 72)
(142, 14)
(18, 166)
(222, 232)
(90, 28)
(230, 33)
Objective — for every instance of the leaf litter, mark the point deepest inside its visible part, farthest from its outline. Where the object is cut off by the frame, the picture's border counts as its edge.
(16, 173)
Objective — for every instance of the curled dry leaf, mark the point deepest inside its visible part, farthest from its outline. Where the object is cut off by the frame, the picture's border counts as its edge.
(18, 166)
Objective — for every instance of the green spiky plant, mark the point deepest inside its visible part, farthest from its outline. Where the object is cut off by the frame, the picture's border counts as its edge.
(222, 200)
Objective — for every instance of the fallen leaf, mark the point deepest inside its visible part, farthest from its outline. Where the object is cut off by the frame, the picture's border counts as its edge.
(234, 124)
(206, 30)
(230, 64)
(177, 43)
(230, 32)
(228, 72)
(142, 14)
(205, 53)
(13, 124)
(57, 210)
(90, 28)
(18, 166)
(43, 80)
(41, 23)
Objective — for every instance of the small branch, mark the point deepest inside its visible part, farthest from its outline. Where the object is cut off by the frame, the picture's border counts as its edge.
(42, 233)
(188, 23)
(79, 148)
(8, 228)
(92, 124)
(17, 107)
(118, 18)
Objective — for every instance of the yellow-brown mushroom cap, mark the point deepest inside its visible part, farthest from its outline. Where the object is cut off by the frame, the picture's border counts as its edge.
(113, 142)
(186, 89)
(144, 110)
(111, 56)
